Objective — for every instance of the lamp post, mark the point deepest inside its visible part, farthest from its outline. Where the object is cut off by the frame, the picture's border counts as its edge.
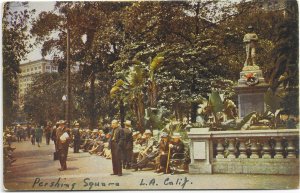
(68, 86)
(64, 99)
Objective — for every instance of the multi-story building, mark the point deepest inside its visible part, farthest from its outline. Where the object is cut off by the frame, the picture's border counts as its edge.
(28, 71)
(288, 7)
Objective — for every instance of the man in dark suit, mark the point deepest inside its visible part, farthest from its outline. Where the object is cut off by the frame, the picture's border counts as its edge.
(128, 151)
(177, 146)
(48, 133)
(62, 141)
(76, 137)
(53, 136)
(116, 146)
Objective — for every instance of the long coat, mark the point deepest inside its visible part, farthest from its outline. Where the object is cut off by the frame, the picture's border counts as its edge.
(119, 137)
(76, 134)
(60, 145)
(38, 134)
(128, 139)
(116, 144)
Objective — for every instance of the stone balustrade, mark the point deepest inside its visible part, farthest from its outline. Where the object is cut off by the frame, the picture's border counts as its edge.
(250, 151)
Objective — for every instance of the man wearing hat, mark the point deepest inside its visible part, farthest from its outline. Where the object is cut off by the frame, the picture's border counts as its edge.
(76, 137)
(62, 144)
(163, 152)
(177, 146)
(127, 156)
(38, 134)
(250, 40)
(32, 134)
(137, 142)
(19, 132)
(53, 135)
(48, 133)
(147, 145)
(116, 145)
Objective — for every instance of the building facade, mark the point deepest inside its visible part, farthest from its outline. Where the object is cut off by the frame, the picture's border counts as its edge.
(28, 72)
(288, 7)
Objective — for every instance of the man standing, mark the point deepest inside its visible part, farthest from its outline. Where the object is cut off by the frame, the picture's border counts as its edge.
(48, 133)
(116, 144)
(32, 134)
(53, 136)
(38, 134)
(62, 140)
(19, 133)
(28, 131)
(76, 137)
(128, 151)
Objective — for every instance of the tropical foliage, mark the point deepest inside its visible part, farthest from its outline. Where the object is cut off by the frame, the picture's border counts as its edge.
(146, 61)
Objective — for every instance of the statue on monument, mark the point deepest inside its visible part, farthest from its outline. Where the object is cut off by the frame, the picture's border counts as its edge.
(250, 40)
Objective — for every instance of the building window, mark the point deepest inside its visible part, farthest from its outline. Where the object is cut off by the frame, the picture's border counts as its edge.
(31, 69)
(48, 67)
(35, 68)
(40, 67)
(27, 69)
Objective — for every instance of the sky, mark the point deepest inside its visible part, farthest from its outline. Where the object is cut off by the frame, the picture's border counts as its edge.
(39, 6)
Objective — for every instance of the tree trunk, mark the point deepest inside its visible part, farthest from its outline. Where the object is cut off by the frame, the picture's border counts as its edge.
(92, 113)
(122, 113)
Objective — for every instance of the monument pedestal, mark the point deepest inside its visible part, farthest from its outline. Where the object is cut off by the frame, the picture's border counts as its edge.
(250, 89)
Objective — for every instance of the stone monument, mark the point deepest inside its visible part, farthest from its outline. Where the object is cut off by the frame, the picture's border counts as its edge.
(251, 85)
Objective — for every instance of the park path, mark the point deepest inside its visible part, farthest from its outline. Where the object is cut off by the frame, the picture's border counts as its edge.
(36, 170)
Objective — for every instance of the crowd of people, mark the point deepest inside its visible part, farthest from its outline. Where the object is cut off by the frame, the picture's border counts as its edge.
(126, 147)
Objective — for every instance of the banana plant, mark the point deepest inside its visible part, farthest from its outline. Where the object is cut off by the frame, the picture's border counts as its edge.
(152, 88)
(130, 89)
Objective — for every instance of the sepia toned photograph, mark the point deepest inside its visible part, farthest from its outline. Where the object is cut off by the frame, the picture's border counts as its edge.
(150, 95)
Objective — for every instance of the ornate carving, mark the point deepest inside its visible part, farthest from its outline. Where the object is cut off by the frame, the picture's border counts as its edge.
(250, 40)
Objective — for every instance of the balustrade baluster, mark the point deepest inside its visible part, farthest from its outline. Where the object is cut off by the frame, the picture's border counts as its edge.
(278, 149)
(220, 149)
(291, 149)
(254, 150)
(266, 149)
(231, 148)
(242, 149)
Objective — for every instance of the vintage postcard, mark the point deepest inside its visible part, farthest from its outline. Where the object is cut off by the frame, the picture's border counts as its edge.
(150, 95)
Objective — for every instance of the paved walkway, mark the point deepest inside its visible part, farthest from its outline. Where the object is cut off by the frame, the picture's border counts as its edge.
(36, 170)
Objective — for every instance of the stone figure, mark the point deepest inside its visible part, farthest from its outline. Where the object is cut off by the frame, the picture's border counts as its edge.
(250, 40)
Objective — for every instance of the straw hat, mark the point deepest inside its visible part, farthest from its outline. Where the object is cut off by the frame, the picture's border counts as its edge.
(148, 131)
(164, 135)
(143, 136)
(176, 135)
(95, 131)
(127, 123)
(61, 122)
(18, 125)
(76, 124)
(135, 133)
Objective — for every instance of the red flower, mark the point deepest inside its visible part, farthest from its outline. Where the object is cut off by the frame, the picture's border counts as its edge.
(249, 75)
